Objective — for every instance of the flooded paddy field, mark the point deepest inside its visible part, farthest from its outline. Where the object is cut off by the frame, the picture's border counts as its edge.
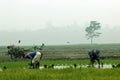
(76, 66)
(62, 70)
(69, 62)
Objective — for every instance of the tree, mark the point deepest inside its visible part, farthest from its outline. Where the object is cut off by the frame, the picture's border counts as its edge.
(15, 52)
(92, 30)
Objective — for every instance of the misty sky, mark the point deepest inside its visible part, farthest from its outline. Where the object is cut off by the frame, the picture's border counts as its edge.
(57, 21)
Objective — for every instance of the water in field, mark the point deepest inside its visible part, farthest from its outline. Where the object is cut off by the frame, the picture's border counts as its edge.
(70, 66)
(107, 66)
(78, 66)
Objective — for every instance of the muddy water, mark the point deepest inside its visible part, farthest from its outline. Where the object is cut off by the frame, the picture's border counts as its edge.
(71, 66)
(78, 66)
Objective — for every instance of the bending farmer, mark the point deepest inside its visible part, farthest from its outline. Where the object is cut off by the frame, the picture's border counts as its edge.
(35, 57)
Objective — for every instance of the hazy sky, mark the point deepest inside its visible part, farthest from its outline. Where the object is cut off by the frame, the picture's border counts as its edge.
(26, 14)
(40, 14)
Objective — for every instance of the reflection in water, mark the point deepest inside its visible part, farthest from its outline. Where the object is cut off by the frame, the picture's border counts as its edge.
(78, 66)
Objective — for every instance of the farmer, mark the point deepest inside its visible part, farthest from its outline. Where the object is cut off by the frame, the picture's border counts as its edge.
(35, 57)
(94, 55)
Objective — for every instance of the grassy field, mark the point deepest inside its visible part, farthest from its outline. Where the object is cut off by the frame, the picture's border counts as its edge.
(79, 51)
(63, 55)
(61, 74)
(22, 64)
(18, 71)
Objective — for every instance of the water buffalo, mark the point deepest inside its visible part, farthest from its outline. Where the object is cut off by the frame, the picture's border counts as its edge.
(94, 55)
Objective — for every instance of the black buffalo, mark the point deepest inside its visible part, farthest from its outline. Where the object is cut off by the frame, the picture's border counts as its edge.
(94, 55)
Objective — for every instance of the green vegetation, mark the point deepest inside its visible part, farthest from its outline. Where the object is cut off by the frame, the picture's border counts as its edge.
(24, 64)
(62, 55)
(71, 52)
(61, 74)
(18, 71)
(81, 51)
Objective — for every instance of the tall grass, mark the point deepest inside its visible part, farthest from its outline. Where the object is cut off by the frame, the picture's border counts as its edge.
(61, 74)
(17, 70)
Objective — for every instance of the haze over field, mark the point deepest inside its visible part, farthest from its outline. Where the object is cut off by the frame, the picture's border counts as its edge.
(57, 21)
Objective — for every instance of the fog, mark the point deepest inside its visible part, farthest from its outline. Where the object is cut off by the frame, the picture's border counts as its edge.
(58, 35)
(57, 21)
